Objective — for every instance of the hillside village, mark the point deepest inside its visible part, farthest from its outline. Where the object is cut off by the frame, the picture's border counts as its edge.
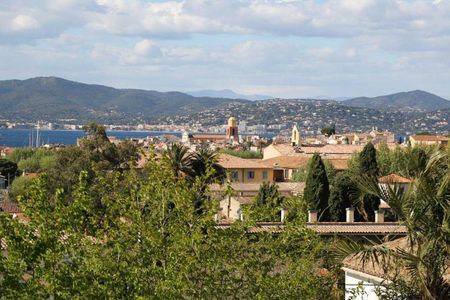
(276, 164)
(313, 115)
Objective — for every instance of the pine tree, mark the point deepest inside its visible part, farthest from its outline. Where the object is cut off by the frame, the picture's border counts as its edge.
(317, 189)
(369, 167)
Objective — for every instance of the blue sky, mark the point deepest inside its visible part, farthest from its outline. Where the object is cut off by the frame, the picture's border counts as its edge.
(284, 48)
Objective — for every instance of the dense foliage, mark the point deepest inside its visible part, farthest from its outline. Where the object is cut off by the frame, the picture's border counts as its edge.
(125, 234)
(8, 169)
(317, 189)
(243, 153)
(268, 203)
(425, 210)
(301, 174)
(32, 160)
(344, 193)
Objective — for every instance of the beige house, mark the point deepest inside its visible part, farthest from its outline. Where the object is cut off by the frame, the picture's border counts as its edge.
(275, 150)
(428, 140)
(246, 170)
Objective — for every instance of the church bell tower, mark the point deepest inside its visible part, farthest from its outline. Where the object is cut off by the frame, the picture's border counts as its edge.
(232, 130)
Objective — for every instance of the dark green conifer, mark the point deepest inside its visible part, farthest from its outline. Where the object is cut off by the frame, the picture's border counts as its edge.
(317, 189)
(342, 195)
(369, 167)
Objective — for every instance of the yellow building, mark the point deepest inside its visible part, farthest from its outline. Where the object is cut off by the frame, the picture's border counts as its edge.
(246, 170)
(428, 140)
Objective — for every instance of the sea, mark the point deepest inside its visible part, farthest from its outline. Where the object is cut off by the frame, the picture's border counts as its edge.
(21, 137)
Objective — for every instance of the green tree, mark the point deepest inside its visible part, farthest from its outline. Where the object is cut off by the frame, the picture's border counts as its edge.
(317, 189)
(19, 186)
(368, 167)
(204, 160)
(425, 211)
(301, 174)
(343, 194)
(147, 241)
(328, 131)
(243, 153)
(368, 161)
(179, 159)
(8, 169)
(268, 203)
(384, 161)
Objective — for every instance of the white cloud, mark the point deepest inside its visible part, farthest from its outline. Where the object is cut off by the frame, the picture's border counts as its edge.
(147, 47)
(342, 46)
(24, 22)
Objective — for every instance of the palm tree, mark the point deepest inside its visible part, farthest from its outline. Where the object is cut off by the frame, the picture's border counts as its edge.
(204, 164)
(425, 210)
(179, 159)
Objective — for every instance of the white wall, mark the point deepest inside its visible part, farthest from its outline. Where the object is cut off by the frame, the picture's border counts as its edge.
(368, 285)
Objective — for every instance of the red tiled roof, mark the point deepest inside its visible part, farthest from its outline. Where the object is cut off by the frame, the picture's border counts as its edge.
(430, 138)
(333, 149)
(233, 162)
(394, 178)
(208, 136)
(374, 268)
(339, 163)
(294, 187)
(9, 207)
(288, 161)
(358, 228)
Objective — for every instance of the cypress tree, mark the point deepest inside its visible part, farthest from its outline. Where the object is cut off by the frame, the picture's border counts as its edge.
(317, 189)
(368, 161)
(342, 194)
(369, 167)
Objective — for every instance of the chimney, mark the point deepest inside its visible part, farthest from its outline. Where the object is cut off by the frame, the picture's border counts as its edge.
(350, 215)
(379, 216)
(282, 215)
(312, 216)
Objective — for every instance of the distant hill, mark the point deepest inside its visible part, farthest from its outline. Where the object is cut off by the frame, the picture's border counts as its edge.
(413, 100)
(228, 94)
(52, 98)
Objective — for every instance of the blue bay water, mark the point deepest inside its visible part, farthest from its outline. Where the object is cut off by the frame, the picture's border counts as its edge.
(21, 137)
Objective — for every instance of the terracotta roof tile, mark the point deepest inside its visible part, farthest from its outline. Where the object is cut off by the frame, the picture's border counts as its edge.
(294, 187)
(333, 149)
(354, 262)
(430, 138)
(394, 178)
(9, 207)
(233, 162)
(208, 136)
(339, 163)
(357, 228)
(288, 161)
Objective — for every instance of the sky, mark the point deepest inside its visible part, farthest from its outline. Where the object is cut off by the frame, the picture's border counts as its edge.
(282, 48)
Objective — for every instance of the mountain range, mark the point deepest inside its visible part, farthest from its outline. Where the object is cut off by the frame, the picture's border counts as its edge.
(52, 98)
(413, 100)
(55, 99)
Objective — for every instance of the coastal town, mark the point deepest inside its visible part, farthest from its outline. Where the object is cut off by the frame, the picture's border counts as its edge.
(251, 163)
(238, 149)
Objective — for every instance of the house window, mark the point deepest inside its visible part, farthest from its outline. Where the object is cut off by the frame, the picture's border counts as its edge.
(251, 174)
(286, 173)
(264, 174)
(234, 175)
